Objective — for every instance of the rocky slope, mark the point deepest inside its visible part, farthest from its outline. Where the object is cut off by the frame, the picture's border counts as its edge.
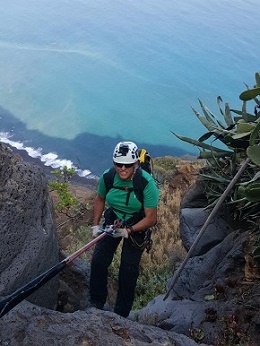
(27, 228)
(216, 300)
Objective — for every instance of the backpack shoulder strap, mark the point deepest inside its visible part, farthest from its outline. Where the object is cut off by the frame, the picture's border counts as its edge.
(109, 178)
(139, 184)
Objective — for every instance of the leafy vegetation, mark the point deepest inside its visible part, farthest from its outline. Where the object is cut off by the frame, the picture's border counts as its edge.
(163, 166)
(67, 203)
(238, 133)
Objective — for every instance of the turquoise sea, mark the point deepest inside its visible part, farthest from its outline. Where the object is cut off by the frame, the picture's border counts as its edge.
(77, 76)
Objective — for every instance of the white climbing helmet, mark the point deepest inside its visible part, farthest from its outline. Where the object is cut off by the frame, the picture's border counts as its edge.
(125, 152)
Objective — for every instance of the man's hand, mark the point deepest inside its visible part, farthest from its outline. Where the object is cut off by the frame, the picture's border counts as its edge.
(120, 232)
(96, 231)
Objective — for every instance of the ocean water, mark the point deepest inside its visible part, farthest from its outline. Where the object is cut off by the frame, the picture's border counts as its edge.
(78, 76)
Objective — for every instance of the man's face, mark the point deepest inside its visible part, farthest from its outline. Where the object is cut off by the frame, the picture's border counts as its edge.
(125, 172)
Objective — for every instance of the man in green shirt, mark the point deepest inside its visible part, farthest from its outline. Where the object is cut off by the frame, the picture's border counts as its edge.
(132, 216)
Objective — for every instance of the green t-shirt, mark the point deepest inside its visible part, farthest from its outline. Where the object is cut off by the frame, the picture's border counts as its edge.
(117, 198)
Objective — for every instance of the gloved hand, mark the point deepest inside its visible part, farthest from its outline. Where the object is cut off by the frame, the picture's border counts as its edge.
(96, 231)
(120, 232)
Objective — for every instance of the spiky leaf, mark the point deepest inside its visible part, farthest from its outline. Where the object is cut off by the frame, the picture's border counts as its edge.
(210, 154)
(209, 114)
(257, 79)
(227, 115)
(206, 136)
(200, 144)
(208, 123)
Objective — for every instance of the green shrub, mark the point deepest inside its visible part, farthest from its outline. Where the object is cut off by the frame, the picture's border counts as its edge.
(239, 136)
(164, 167)
(67, 203)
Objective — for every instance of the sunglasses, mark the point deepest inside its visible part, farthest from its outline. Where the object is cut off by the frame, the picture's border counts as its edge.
(120, 165)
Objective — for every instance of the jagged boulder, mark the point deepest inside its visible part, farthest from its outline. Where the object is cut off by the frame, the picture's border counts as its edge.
(193, 215)
(207, 301)
(191, 222)
(28, 244)
(74, 287)
(206, 292)
(28, 324)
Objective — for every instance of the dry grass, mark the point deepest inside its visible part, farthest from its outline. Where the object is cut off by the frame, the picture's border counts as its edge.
(167, 251)
(167, 247)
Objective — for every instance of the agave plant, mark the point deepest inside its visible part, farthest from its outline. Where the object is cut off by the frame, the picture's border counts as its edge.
(238, 133)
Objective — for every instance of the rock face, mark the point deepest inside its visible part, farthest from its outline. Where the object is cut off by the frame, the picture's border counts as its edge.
(30, 325)
(192, 220)
(208, 298)
(27, 324)
(206, 290)
(193, 215)
(74, 287)
(28, 244)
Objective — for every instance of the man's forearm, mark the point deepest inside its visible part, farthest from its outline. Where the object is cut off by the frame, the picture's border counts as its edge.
(98, 210)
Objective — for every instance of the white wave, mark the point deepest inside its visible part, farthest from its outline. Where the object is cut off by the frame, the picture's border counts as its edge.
(83, 172)
(50, 159)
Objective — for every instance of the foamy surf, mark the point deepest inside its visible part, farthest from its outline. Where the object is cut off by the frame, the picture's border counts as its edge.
(49, 159)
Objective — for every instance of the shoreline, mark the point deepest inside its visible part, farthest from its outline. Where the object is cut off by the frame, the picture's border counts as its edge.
(89, 183)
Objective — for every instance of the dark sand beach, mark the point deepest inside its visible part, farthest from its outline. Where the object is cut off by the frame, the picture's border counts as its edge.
(89, 183)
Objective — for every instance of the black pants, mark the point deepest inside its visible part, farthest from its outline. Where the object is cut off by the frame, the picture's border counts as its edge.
(128, 272)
